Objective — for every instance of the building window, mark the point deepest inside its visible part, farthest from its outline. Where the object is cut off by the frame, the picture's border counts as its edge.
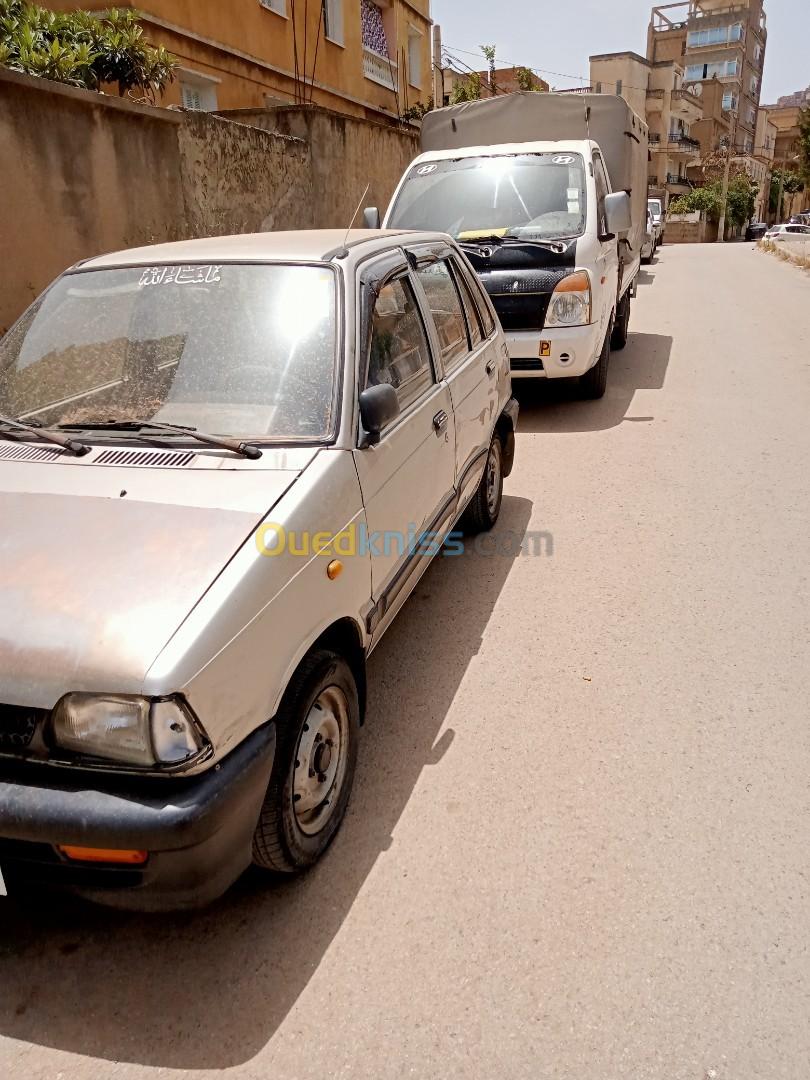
(720, 68)
(716, 35)
(754, 85)
(619, 87)
(333, 20)
(729, 101)
(374, 37)
(414, 57)
(279, 6)
(598, 88)
(197, 94)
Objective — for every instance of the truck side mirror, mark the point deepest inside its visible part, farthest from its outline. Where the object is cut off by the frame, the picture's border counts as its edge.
(617, 213)
(379, 405)
(371, 217)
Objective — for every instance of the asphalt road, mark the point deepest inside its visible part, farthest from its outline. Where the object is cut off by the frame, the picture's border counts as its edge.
(579, 844)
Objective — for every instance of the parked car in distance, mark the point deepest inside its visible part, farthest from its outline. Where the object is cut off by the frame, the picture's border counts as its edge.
(183, 678)
(755, 230)
(784, 233)
(656, 208)
(648, 247)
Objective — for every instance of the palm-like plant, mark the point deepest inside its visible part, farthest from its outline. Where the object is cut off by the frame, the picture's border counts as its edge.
(83, 49)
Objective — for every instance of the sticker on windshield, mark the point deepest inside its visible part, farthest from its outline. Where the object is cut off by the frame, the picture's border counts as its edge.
(181, 275)
(426, 170)
(563, 159)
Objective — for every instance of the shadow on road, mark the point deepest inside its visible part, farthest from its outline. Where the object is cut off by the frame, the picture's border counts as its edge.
(207, 990)
(552, 405)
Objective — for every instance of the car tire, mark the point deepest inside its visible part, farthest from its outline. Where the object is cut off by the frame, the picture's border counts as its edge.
(593, 383)
(482, 512)
(621, 327)
(318, 727)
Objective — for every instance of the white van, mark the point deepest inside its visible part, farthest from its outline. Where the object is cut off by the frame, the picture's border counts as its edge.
(547, 195)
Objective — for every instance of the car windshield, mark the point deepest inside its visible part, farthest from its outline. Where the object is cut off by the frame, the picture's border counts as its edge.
(531, 196)
(246, 350)
(655, 207)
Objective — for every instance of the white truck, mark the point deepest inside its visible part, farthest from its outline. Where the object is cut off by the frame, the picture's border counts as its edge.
(547, 195)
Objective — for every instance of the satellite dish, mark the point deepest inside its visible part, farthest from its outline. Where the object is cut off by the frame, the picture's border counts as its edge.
(696, 89)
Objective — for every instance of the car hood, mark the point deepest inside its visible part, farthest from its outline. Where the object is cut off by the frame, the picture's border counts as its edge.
(99, 567)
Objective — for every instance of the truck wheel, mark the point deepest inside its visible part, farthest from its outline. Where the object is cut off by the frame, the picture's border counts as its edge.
(316, 756)
(618, 339)
(593, 383)
(482, 513)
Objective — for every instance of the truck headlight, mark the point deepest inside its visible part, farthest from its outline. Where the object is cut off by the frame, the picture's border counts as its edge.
(571, 301)
(132, 731)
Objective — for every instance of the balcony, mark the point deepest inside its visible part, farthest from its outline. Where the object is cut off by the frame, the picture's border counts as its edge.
(380, 69)
(682, 144)
(678, 184)
(686, 106)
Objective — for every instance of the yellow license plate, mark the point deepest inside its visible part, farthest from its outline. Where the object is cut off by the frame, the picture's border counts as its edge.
(545, 348)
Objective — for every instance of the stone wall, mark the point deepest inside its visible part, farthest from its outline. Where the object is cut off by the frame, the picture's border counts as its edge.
(347, 155)
(689, 229)
(85, 173)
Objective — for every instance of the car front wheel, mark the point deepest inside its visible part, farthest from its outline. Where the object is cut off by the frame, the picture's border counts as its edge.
(318, 729)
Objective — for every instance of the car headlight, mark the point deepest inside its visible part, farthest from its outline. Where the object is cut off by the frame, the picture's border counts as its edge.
(133, 731)
(571, 301)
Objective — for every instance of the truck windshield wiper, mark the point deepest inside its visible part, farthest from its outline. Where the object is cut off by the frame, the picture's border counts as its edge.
(557, 246)
(236, 446)
(72, 447)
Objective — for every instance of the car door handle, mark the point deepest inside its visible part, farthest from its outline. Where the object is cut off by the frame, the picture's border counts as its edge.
(491, 367)
(440, 421)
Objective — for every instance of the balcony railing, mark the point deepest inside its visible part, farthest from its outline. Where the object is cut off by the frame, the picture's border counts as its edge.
(380, 69)
(688, 96)
(683, 142)
(677, 181)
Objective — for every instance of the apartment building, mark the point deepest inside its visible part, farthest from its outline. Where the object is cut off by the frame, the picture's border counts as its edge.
(785, 116)
(655, 91)
(716, 40)
(366, 58)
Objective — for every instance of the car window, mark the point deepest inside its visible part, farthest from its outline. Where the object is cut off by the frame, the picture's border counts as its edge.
(399, 354)
(477, 289)
(600, 176)
(473, 318)
(445, 306)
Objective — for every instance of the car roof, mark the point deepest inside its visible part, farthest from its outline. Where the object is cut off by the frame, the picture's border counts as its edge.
(306, 246)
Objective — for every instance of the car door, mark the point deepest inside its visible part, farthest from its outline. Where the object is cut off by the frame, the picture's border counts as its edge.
(606, 282)
(408, 478)
(469, 361)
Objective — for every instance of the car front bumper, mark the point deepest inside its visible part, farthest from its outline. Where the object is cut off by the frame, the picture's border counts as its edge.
(573, 351)
(198, 832)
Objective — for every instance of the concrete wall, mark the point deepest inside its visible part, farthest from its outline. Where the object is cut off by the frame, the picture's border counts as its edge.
(689, 229)
(347, 154)
(84, 173)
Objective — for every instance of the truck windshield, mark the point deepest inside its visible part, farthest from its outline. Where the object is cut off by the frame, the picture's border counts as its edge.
(531, 196)
(246, 350)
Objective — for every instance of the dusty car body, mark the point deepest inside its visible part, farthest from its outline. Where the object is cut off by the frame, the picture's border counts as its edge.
(185, 617)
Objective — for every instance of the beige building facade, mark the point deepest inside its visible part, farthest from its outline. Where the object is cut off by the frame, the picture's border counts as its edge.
(655, 91)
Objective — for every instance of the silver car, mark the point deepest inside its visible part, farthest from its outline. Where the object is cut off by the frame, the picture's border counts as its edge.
(224, 466)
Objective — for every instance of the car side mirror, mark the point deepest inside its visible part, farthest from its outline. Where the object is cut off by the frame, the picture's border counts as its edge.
(379, 405)
(617, 213)
(371, 217)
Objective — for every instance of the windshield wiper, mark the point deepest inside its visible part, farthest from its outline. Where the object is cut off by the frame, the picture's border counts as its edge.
(557, 246)
(236, 446)
(72, 447)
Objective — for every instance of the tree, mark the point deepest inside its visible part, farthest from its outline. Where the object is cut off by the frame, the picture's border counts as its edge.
(418, 111)
(525, 78)
(804, 144)
(82, 48)
(790, 181)
(709, 199)
(489, 56)
(468, 90)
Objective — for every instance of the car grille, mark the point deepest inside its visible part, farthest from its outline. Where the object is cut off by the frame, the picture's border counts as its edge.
(522, 299)
(18, 726)
(526, 365)
(522, 312)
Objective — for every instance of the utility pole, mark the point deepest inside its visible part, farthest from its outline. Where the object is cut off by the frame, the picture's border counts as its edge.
(721, 228)
(438, 71)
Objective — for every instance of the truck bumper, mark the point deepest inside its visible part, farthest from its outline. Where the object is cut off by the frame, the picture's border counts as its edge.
(197, 832)
(573, 351)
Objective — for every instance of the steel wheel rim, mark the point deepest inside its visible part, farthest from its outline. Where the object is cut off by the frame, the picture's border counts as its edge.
(320, 761)
(493, 477)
